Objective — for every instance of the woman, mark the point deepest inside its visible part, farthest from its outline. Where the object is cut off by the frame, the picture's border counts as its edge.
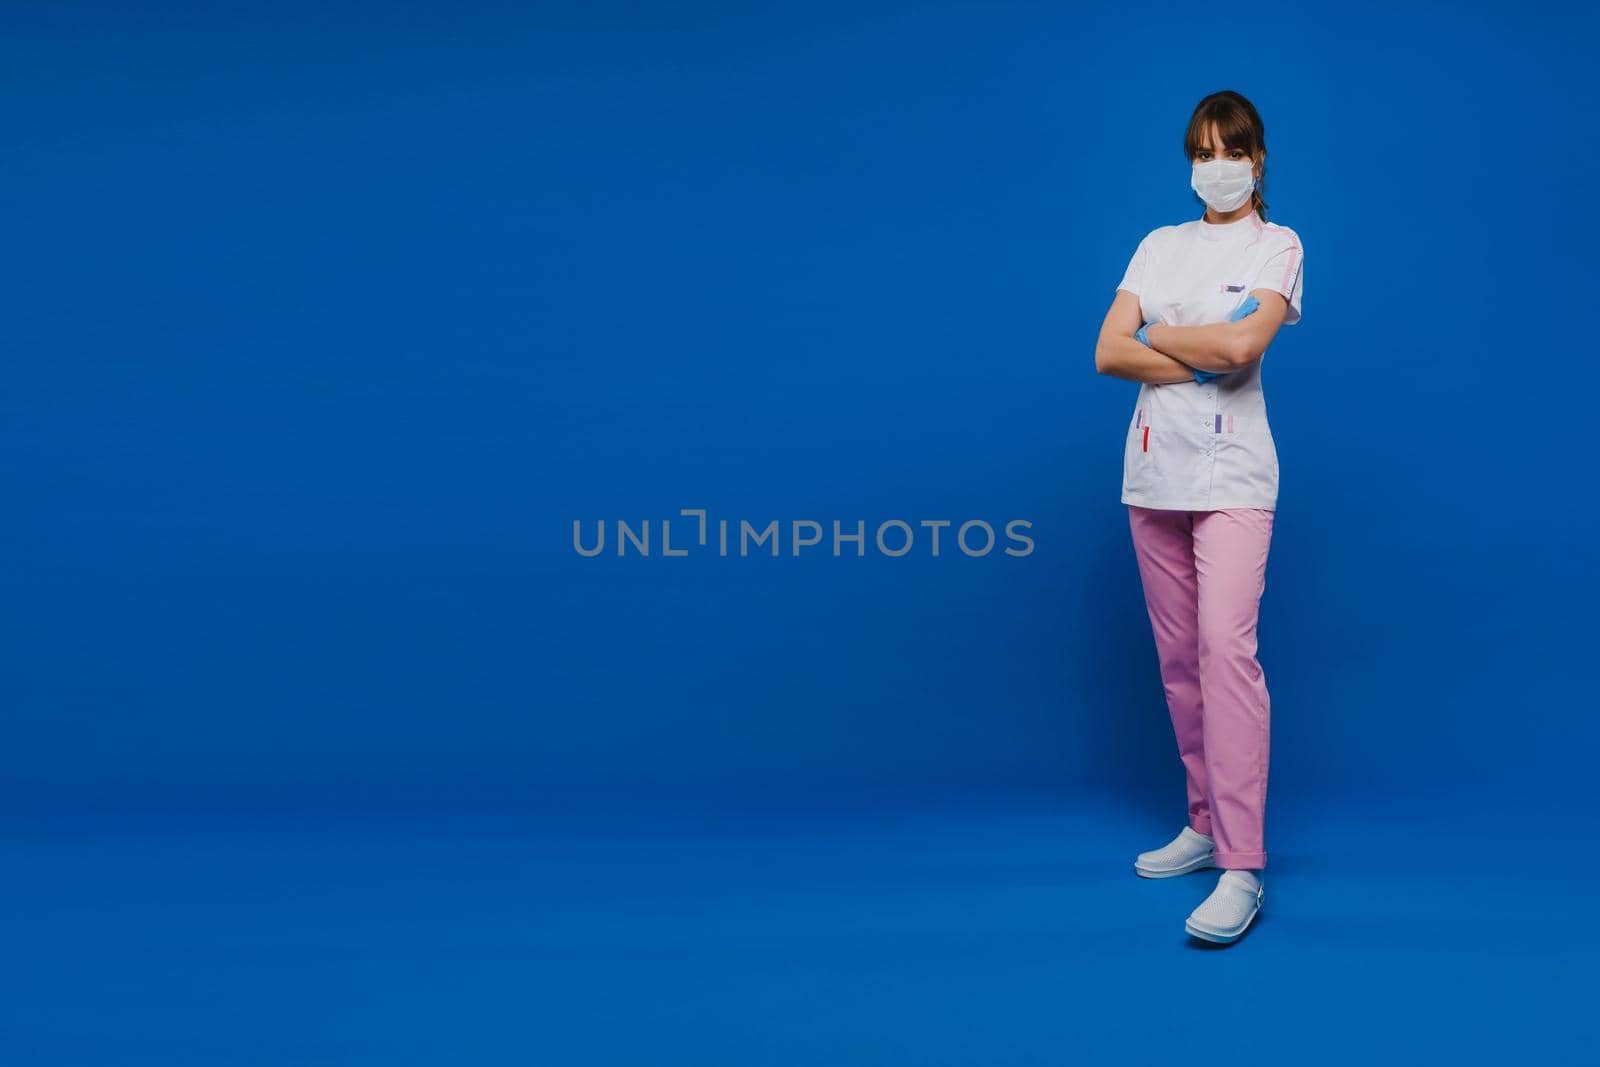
(1194, 313)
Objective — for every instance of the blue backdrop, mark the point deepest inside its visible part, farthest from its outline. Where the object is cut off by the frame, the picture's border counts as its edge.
(326, 322)
(326, 329)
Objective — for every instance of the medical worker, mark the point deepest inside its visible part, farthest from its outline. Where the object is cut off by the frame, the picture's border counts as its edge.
(1193, 316)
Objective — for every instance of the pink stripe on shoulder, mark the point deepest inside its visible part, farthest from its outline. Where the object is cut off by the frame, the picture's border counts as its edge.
(1292, 263)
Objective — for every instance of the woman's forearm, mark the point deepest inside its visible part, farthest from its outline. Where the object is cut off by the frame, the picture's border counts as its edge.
(1216, 346)
(1129, 359)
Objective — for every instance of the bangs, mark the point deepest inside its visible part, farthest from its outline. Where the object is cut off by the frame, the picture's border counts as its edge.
(1234, 127)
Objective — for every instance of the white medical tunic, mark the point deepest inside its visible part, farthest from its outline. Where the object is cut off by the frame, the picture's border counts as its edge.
(1205, 447)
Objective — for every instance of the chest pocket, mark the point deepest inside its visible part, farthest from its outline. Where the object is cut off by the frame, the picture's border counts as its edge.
(1208, 301)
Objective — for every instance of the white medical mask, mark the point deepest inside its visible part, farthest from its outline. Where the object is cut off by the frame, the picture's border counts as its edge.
(1223, 184)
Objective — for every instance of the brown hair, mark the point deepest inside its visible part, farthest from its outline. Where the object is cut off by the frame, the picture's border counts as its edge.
(1238, 126)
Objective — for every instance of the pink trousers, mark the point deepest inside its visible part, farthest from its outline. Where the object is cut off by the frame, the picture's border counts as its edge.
(1203, 574)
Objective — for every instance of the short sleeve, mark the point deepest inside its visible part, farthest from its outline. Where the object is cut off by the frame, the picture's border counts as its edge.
(1282, 273)
(1133, 277)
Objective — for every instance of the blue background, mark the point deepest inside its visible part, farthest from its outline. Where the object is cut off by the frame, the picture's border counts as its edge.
(326, 323)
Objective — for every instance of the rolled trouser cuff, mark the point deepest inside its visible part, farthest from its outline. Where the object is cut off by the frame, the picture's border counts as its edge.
(1239, 861)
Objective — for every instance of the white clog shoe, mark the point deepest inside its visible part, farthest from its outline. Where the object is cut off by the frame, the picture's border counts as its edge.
(1189, 851)
(1228, 911)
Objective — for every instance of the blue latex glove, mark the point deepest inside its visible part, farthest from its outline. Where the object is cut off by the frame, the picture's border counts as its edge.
(1248, 307)
(1140, 335)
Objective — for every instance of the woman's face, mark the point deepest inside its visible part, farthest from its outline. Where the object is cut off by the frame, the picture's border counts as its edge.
(1211, 148)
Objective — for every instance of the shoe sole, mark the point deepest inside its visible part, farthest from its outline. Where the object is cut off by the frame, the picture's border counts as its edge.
(1188, 868)
(1221, 939)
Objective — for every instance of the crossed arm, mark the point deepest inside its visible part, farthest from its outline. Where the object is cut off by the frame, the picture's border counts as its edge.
(1176, 351)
